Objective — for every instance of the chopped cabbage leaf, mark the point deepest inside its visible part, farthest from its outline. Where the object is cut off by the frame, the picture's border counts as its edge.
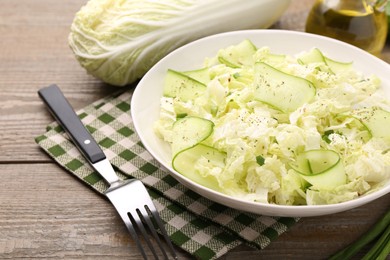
(246, 129)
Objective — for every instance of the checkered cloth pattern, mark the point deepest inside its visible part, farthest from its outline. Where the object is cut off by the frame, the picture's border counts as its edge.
(203, 228)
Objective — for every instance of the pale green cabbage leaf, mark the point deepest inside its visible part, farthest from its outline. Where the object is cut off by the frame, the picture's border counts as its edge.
(119, 41)
(245, 128)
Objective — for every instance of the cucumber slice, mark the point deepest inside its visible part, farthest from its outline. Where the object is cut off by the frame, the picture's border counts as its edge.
(323, 169)
(185, 160)
(353, 123)
(337, 66)
(282, 91)
(238, 55)
(189, 131)
(276, 58)
(181, 86)
(201, 75)
(316, 56)
(265, 55)
(376, 120)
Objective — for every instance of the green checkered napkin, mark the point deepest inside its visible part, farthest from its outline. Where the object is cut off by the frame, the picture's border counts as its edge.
(205, 229)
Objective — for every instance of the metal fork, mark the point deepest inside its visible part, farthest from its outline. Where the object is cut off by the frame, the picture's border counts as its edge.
(129, 197)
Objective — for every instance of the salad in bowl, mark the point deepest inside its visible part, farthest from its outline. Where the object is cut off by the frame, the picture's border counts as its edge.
(295, 130)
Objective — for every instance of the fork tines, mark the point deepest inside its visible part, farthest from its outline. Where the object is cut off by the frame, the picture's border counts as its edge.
(141, 218)
(147, 221)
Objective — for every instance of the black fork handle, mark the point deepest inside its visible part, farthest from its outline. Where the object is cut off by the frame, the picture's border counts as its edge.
(66, 116)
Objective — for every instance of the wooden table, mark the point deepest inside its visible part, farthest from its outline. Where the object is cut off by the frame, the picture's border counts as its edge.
(45, 212)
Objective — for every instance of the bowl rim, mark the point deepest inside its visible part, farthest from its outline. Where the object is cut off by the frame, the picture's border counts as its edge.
(237, 203)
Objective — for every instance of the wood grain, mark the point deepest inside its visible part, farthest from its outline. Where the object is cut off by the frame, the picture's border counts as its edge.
(45, 213)
(34, 53)
(65, 219)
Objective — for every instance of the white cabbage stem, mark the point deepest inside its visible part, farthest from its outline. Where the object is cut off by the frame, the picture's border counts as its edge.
(119, 41)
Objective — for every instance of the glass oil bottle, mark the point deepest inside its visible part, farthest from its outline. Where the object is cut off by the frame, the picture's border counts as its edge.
(362, 23)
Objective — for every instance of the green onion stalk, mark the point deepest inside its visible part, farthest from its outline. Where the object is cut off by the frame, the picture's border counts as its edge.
(380, 250)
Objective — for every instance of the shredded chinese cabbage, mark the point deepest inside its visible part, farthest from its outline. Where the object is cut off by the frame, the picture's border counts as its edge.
(261, 142)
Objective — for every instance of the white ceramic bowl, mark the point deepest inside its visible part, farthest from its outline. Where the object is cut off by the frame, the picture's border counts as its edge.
(146, 104)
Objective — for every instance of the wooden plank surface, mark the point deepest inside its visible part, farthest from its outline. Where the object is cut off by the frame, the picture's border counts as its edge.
(46, 213)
